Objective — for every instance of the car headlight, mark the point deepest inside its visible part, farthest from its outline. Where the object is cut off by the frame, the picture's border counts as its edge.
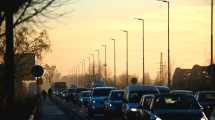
(157, 118)
(110, 105)
(94, 101)
(204, 118)
(134, 109)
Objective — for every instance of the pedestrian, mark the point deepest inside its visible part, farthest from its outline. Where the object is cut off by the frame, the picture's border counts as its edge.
(50, 92)
(44, 94)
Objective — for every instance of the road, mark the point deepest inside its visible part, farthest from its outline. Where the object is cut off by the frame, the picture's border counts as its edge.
(76, 112)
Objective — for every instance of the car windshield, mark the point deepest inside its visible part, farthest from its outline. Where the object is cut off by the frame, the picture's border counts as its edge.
(117, 95)
(206, 97)
(135, 96)
(101, 92)
(163, 90)
(176, 102)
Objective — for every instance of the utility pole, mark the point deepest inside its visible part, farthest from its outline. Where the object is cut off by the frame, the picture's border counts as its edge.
(114, 53)
(169, 73)
(89, 74)
(105, 65)
(99, 65)
(93, 67)
(84, 73)
(143, 37)
(125, 31)
(161, 68)
(212, 32)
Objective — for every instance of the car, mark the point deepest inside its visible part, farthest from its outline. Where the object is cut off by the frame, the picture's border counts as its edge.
(84, 98)
(98, 96)
(77, 93)
(182, 92)
(207, 100)
(131, 99)
(163, 89)
(171, 107)
(64, 93)
(74, 94)
(113, 104)
(70, 94)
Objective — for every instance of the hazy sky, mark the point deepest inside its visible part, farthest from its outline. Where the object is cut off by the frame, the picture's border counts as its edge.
(93, 22)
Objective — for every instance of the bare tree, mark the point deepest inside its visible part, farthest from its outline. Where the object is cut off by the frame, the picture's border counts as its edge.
(34, 11)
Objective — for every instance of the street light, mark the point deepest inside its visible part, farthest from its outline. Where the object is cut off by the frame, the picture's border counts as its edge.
(105, 65)
(93, 67)
(99, 66)
(212, 32)
(83, 72)
(142, 20)
(126, 32)
(89, 74)
(168, 3)
(114, 52)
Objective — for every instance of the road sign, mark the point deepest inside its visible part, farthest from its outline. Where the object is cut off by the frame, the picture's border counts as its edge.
(37, 71)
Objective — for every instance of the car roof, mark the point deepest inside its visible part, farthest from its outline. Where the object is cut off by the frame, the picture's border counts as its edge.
(181, 91)
(88, 91)
(206, 92)
(162, 87)
(117, 90)
(140, 87)
(104, 88)
(172, 94)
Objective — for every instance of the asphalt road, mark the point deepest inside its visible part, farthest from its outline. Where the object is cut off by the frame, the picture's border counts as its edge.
(78, 113)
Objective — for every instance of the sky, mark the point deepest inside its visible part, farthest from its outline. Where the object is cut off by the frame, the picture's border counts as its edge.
(93, 22)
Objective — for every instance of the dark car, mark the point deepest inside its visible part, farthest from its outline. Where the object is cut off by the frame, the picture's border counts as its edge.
(171, 107)
(76, 94)
(132, 96)
(163, 89)
(207, 100)
(181, 92)
(84, 98)
(98, 96)
(113, 104)
(71, 92)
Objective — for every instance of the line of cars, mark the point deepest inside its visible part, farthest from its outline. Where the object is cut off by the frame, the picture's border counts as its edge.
(146, 103)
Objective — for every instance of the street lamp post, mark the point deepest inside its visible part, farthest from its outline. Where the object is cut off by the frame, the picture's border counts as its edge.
(126, 32)
(99, 65)
(84, 75)
(142, 20)
(169, 73)
(89, 74)
(212, 32)
(105, 65)
(93, 67)
(114, 53)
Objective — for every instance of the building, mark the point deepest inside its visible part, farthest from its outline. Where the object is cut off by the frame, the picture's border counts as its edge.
(194, 79)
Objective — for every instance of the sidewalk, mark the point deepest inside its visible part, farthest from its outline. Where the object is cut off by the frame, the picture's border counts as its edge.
(50, 111)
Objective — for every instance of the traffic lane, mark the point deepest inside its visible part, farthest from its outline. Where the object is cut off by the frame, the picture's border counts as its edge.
(50, 111)
(82, 111)
(72, 113)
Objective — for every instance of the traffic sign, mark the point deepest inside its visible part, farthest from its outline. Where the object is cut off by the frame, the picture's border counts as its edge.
(37, 71)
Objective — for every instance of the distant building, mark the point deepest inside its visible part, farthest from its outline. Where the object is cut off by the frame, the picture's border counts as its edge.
(196, 78)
